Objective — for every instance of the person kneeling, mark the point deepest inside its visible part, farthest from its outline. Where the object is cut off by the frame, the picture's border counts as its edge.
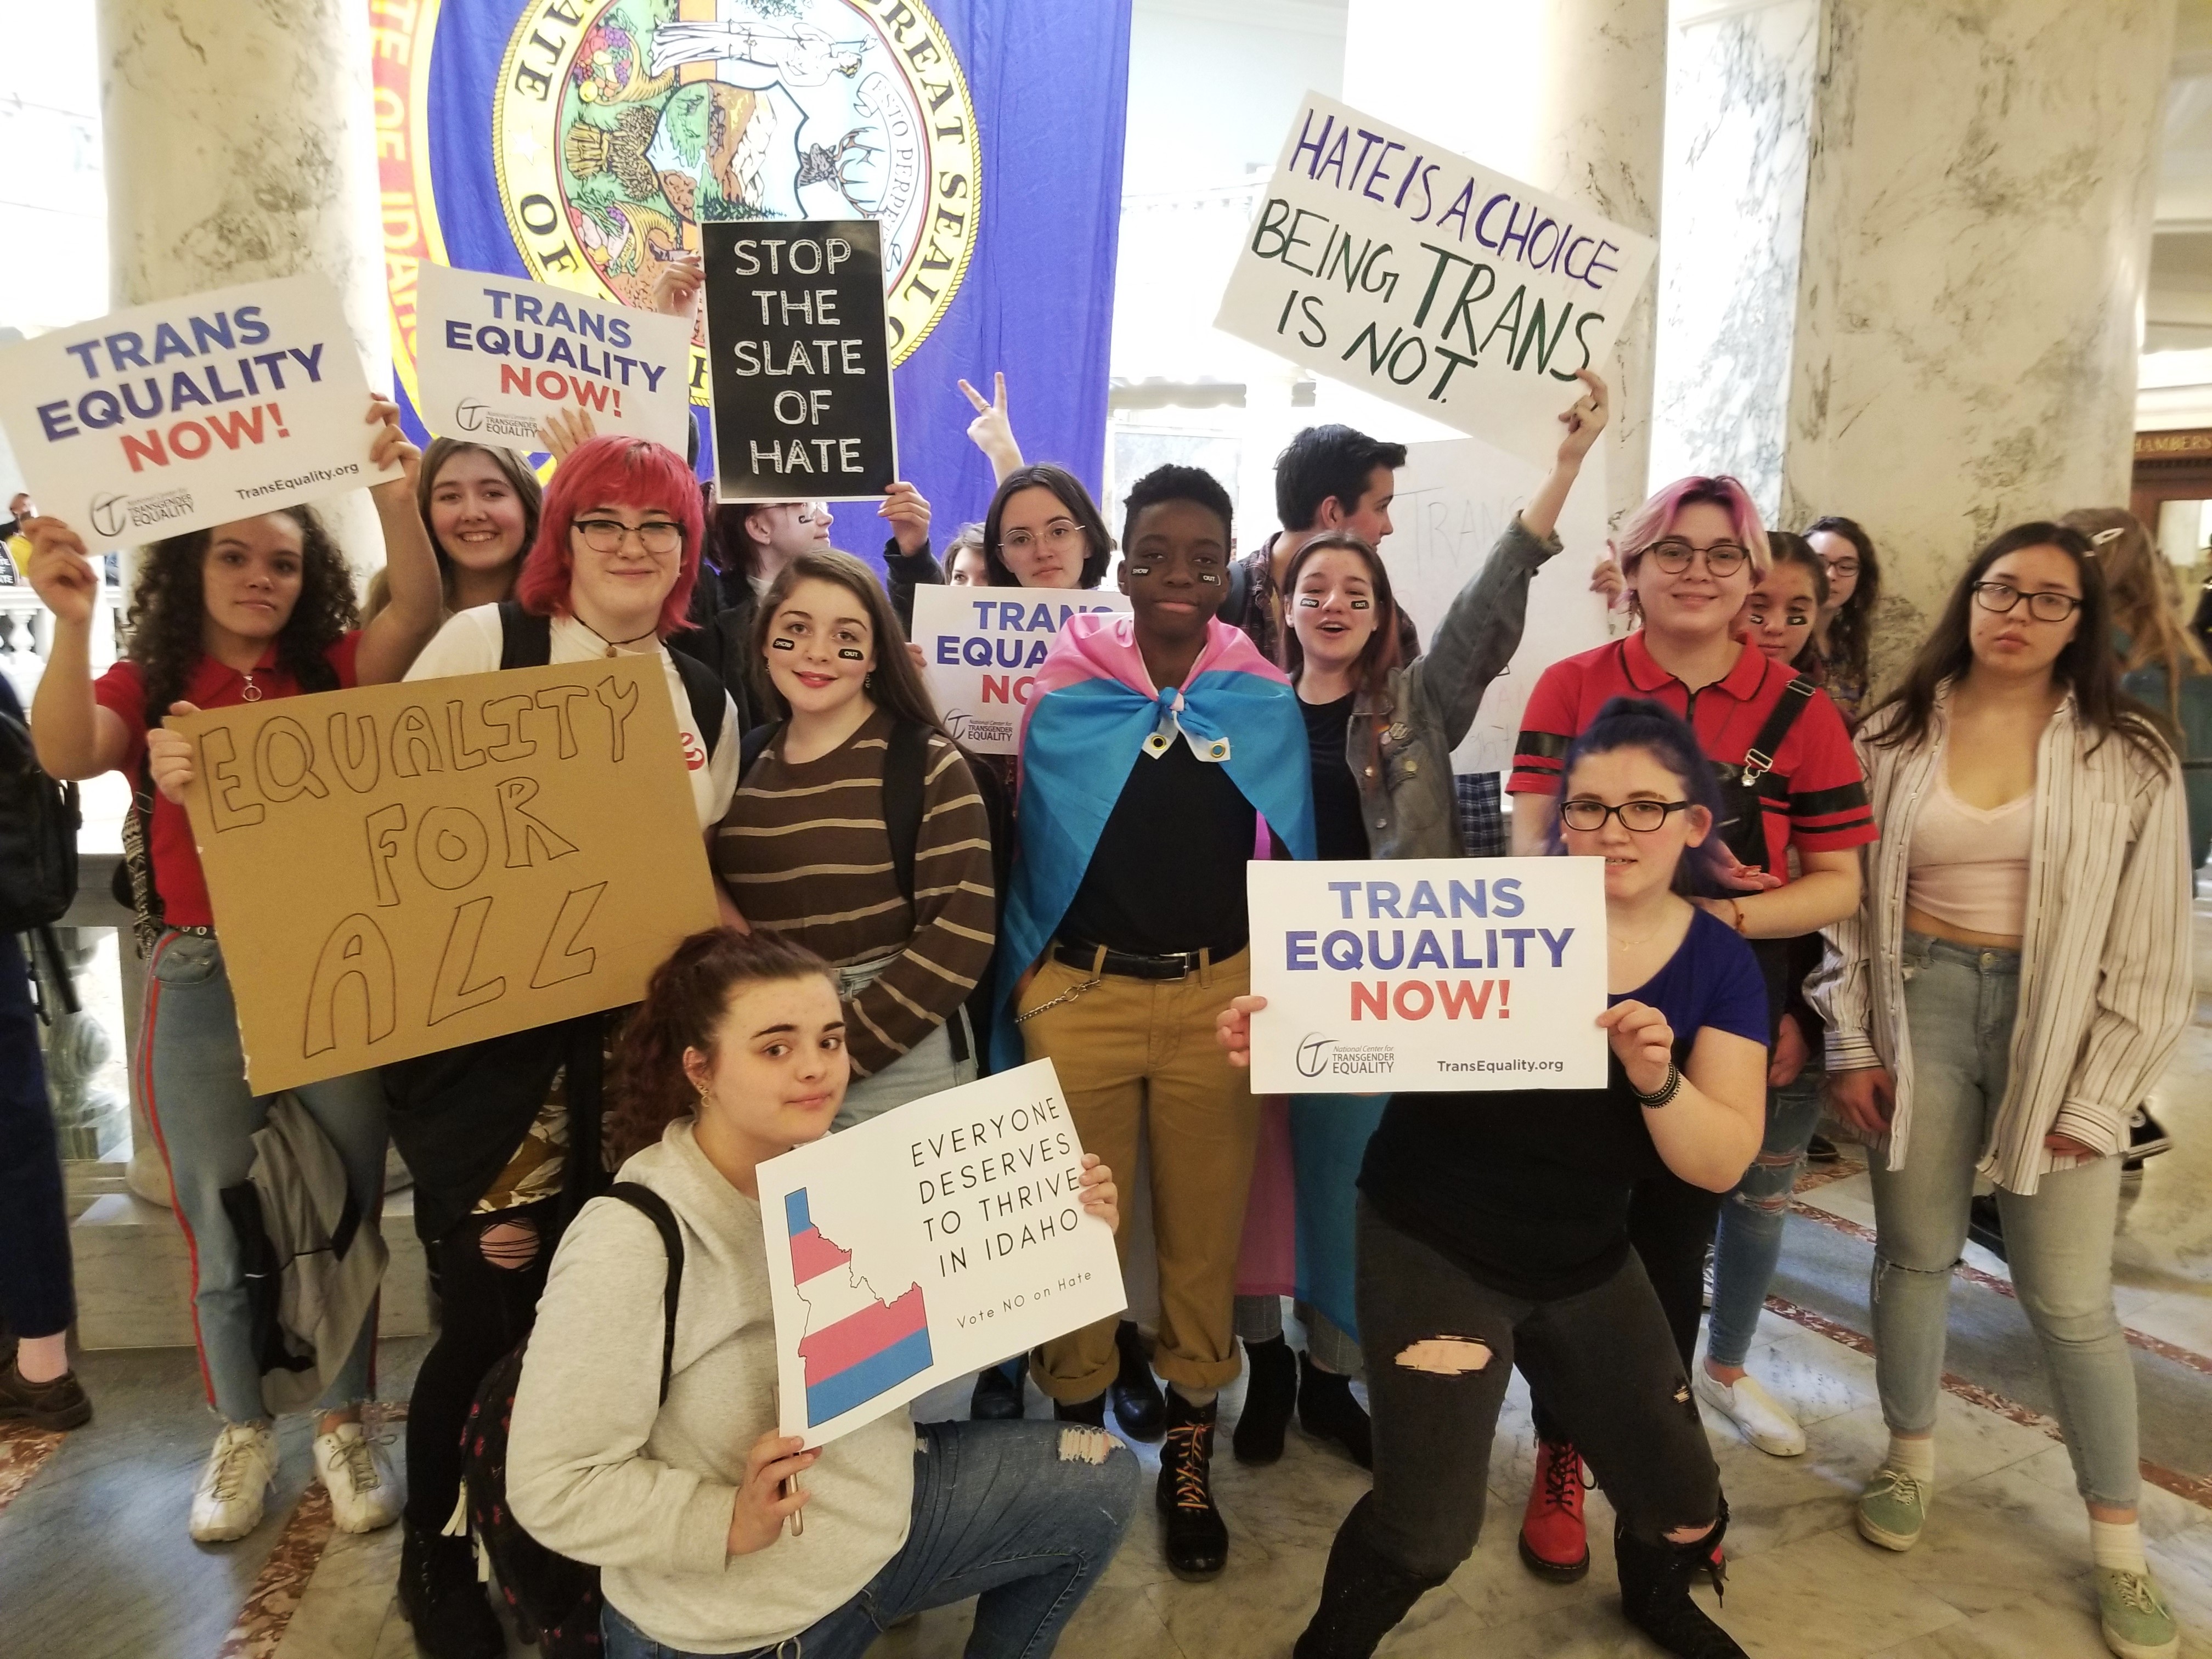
(737, 1055)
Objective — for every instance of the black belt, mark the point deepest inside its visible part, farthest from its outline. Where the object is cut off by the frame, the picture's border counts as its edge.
(1130, 964)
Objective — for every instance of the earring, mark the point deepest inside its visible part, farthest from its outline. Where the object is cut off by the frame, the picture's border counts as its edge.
(704, 1095)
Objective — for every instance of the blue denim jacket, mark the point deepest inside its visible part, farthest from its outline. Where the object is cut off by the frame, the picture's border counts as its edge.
(1409, 812)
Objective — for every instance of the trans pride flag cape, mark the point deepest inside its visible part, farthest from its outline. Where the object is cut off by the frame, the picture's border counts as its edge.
(1095, 712)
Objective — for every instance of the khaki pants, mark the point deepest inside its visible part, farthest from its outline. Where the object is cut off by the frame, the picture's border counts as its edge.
(1132, 1052)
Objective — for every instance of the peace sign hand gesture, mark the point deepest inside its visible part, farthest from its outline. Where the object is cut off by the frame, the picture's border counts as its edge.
(991, 431)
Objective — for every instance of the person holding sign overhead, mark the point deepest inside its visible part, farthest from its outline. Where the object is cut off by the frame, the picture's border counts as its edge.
(259, 607)
(1790, 790)
(1380, 732)
(1494, 1226)
(677, 1485)
(503, 1135)
(1156, 744)
(481, 502)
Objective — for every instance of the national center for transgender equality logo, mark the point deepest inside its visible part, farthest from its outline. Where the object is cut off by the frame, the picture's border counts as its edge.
(617, 128)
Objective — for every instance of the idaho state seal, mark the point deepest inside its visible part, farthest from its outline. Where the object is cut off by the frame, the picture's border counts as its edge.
(617, 126)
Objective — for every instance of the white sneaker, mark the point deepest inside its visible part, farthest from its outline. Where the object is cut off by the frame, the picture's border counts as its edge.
(238, 1472)
(1764, 1420)
(355, 1471)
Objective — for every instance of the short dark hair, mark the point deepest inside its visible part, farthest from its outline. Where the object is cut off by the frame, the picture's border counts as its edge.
(1171, 482)
(1660, 732)
(1068, 490)
(1323, 461)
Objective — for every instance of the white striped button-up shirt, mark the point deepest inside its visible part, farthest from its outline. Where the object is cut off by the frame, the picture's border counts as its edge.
(2106, 978)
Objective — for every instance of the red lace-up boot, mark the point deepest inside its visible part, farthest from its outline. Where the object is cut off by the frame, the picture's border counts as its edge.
(1553, 1542)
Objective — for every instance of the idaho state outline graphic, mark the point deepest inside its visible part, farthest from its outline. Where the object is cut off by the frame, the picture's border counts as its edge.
(856, 1344)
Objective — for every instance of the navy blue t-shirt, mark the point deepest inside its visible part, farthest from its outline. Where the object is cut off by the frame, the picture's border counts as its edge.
(1527, 1189)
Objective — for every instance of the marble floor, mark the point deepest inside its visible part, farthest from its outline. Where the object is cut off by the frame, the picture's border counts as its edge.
(95, 1565)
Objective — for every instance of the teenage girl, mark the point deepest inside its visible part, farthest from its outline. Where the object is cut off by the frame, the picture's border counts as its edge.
(1502, 1219)
(257, 608)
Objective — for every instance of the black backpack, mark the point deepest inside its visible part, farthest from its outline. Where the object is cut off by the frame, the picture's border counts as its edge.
(555, 1599)
(39, 820)
(526, 642)
(1746, 788)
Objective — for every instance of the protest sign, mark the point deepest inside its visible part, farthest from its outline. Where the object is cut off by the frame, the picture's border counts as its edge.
(399, 869)
(798, 360)
(173, 417)
(1393, 265)
(980, 648)
(927, 1244)
(1427, 974)
(495, 356)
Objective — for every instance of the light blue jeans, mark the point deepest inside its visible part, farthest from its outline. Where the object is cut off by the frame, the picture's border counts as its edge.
(1748, 1242)
(927, 1068)
(204, 1117)
(999, 1515)
(1959, 1009)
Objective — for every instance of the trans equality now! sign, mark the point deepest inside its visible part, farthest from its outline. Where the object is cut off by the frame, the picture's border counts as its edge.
(1428, 974)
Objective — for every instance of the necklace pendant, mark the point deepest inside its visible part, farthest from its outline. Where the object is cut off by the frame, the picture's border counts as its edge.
(612, 652)
(252, 692)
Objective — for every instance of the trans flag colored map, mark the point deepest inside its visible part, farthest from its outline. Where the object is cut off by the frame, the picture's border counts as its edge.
(582, 143)
(857, 1345)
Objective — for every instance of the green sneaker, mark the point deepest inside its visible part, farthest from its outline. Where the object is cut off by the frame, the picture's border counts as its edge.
(1892, 1509)
(2137, 1622)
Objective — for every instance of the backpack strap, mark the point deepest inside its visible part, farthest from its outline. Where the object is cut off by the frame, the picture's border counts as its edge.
(524, 640)
(754, 744)
(905, 763)
(704, 686)
(1758, 759)
(655, 1208)
(1240, 593)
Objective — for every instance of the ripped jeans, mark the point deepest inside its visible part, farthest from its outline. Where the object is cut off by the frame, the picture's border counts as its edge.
(1440, 1346)
(1749, 1242)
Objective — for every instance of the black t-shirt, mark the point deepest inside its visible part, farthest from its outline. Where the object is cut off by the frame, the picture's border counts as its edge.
(1168, 873)
(1339, 832)
(1527, 1189)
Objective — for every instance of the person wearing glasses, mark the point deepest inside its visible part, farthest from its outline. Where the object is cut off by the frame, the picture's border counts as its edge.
(2017, 976)
(1840, 636)
(502, 1136)
(1690, 557)
(1502, 1217)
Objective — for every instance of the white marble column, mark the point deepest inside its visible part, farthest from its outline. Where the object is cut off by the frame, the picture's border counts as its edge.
(1567, 94)
(239, 145)
(1976, 232)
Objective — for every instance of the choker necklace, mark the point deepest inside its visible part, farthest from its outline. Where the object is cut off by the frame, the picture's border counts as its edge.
(612, 644)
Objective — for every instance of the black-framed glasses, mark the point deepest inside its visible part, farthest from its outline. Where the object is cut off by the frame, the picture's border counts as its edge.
(1642, 817)
(608, 535)
(2002, 597)
(1722, 559)
(1842, 566)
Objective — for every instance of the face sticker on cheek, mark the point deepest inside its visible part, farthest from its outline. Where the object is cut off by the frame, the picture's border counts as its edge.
(1209, 578)
(850, 655)
(784, 645)
(1359, 605)
(1140, 570)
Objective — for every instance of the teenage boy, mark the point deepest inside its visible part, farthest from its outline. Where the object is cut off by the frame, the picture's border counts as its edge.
(1330, 477)
(1156, 744)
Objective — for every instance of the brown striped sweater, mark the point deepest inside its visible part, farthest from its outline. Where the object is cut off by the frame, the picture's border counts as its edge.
(805, 854)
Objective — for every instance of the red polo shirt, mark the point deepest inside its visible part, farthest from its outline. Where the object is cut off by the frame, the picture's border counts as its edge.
(176, 857)
(1826, 809)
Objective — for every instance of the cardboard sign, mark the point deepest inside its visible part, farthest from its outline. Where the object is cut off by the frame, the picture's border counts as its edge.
(495, 356)
(170, 417)
(1390, 263)
(798, 360)
(1426, 975)
(404, 868)
(927, 1244)
(980, 648)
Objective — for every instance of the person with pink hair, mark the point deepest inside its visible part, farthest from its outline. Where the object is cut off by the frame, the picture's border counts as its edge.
(1793, 795)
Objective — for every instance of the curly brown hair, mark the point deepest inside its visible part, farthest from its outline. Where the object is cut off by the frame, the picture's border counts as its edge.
(683, 1002)
(168, 612)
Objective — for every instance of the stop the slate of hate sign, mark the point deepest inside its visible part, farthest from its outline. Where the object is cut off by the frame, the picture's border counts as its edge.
(799, 362)
(980, 648)
(927, 1244)
(495, 356)
(1428, 974)
(173, 417)
(399, 869)
(1390, 263)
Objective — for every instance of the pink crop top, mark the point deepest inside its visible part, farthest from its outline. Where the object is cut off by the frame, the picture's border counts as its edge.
(1967, 866)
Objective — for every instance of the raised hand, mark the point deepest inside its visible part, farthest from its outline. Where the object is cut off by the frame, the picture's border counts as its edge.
(991, 431)
(908, 513)
(390, 444)
(676, 286)
(563, 429)
(61, 572)
(1585, 418)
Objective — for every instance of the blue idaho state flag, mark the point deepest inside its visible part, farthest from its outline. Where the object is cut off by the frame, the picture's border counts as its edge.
(583, 142)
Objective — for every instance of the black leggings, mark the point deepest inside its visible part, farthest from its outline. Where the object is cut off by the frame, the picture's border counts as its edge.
(488, 1291)
(1440, 1348)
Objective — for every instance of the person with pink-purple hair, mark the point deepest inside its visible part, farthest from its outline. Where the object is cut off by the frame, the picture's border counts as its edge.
(1795, 814)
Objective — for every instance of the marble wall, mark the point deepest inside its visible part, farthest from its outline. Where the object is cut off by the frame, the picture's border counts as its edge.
(1739, 121)
(1977, 211)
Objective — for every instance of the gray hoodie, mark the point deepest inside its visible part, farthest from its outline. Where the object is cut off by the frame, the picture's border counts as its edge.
(599, 1470)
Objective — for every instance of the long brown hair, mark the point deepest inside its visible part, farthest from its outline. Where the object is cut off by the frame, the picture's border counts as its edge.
(1379, 657)
(527, 490)
(2085, 667)
(168, 611)
(894, 684)
(683, 1002)
(1850, 630)
(2146, 598)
